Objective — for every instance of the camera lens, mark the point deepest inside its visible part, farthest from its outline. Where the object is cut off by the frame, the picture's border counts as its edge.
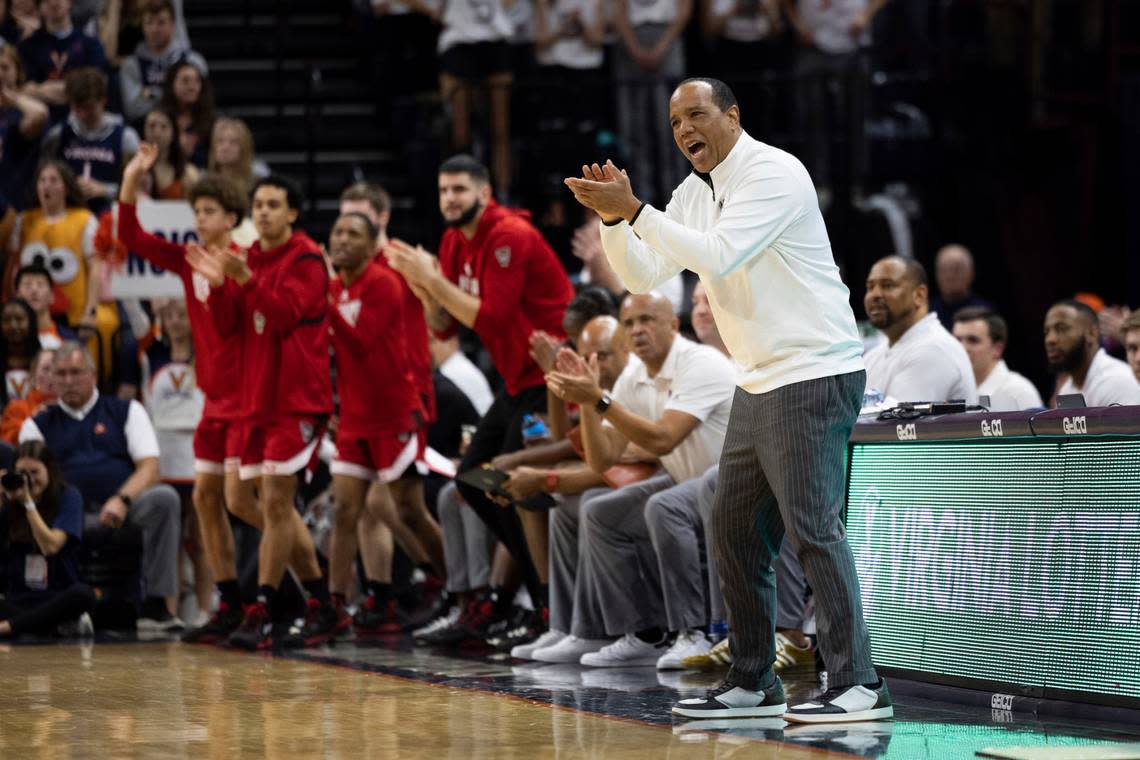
(12, 481)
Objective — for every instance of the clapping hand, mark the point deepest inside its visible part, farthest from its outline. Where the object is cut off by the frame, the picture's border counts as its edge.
(575, 379)
(544, 349)
(606, 190)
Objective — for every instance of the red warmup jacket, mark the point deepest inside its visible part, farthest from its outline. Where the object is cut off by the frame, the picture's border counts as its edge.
(521, 284)
(416, 341)
(373, 373)
(215, 355)
(281, 315)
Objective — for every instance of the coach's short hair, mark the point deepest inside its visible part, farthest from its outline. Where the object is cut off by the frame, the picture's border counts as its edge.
(466, 164)
(376, 196)
(722, 94)
(221, 189)
(293, 195)
(998, 329)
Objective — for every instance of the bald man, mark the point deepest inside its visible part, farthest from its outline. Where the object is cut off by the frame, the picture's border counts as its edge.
(920, 360)
(954, 275)
(673, 402)
(1072, 347)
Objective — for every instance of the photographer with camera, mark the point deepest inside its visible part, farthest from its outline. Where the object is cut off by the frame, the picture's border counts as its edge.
(41, 525)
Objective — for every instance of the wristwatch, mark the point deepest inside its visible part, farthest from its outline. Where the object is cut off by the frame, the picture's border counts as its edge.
(125, 499)
(551, 484)
(603, 403)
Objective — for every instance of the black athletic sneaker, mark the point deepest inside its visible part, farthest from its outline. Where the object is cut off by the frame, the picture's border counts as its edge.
(845, 704)
(218, 628)
(730, 701)
(376, 618)
(470, 627)
(525, 626)
(323, 622)
(255, 631)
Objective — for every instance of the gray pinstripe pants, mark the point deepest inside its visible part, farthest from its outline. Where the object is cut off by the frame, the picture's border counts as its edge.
(783, 472)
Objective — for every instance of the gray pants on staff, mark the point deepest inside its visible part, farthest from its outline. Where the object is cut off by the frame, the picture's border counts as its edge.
(782, 471)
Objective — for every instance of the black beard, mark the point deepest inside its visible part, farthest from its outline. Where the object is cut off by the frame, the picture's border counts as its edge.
(465, 218)
(1070, 360)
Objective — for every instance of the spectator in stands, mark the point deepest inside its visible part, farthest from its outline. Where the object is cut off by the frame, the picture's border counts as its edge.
(109, 451)
(41, 524)
(143, 73)
(19, 344)
(649, 61)
(171, 175)
(832, 38)
(1130, 337)
(120, 25)
(22, 121)
(94, 143)
(954, 275)
(568, 39)
(984, 335)
(41, 393)
(19, 20)
(703, 323)
(920, 360)
(58, 235)
(474, 52)
(743, 36)
(1072, 347)
(232, 153)
(55, 49)
(188, 94)
(33, 284)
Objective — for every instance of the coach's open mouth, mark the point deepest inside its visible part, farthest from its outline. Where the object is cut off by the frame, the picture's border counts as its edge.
(695, 149)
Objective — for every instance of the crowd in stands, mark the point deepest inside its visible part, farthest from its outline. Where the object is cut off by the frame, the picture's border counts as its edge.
(604, 411)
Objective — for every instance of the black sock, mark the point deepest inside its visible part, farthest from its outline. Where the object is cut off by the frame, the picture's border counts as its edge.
(319, 590)
(651, 635)
(382, 592)
(265, 594)
(231, 594)
(543, 597)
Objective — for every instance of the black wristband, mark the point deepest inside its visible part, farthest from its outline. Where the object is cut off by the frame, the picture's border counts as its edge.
(614, 223)
(125, 499)
(637, 213)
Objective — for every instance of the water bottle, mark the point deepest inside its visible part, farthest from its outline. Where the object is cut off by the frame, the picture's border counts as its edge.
(534, 430)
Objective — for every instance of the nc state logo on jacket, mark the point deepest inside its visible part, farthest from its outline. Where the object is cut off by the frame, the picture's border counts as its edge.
(201, 287)
(503, 256)
(258, 322)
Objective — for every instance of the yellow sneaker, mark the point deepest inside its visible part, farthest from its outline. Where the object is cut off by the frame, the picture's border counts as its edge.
(789, 656)
(717, 658)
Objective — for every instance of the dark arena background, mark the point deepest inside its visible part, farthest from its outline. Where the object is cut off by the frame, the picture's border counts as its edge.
(449, 587)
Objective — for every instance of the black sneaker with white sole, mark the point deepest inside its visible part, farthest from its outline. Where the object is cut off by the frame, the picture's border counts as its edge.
(845, 704)
(731, 701)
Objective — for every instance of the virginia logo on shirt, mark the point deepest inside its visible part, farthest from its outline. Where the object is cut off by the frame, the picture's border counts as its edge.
(100, 428)
(258, 322)
(178, 378)
(503, 256)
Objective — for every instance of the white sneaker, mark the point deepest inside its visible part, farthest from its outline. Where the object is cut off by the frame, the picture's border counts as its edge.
(569, 650)
(688, 644)
(845, 704)
(526, 651)
(438, 624)
(85, 628)
(628, 651)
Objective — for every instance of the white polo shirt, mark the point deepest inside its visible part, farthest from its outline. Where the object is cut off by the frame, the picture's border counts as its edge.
(926, 364)
(694, 379)
(752, 230)
(1109, 381)
(1009, 391)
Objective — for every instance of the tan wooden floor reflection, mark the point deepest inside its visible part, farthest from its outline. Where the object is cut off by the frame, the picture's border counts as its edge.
(173, 701)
